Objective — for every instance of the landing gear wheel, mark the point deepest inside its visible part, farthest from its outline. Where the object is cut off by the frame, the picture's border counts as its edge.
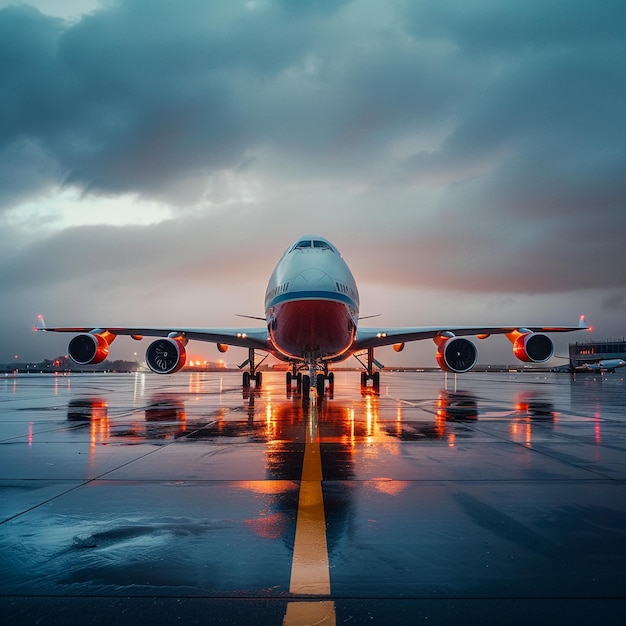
(331, 385)
(364, 379)
(288, 377)
(246, 380)
(299, 382)
(258, 379)
(321, 385)
(376, 382)
(306, 386)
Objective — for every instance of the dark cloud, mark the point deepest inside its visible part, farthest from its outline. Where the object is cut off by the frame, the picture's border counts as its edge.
(141, 94)
(497, 28)
(25, 169)
(28, 77)
(535, 159)
(138, 95)
(134, 96)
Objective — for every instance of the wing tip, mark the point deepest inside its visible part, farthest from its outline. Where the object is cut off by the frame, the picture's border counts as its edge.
(40, 324)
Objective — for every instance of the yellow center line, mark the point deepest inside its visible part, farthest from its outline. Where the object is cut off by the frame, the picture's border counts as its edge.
(310, 573)
(310, 613)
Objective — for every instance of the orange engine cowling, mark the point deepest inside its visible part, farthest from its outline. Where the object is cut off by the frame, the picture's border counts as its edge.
(88, 349)
(166, 356)
(533, 348)
(456, 355)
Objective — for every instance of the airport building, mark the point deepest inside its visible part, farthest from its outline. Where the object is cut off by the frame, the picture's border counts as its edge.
(594, 351)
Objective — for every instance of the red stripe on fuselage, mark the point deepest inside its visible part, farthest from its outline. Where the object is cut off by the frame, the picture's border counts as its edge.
(322, 327)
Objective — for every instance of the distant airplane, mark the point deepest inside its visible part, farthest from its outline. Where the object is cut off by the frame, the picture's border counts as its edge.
(311, 321)
(603, 365)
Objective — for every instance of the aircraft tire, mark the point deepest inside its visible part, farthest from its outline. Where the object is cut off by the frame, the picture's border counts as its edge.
(376, 382)
(321, 385)
(246, 380)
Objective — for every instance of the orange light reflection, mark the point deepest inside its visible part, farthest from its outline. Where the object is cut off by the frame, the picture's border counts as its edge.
(388, 486)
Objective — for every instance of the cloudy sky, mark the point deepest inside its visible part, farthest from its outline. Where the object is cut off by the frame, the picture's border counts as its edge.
(467, 157)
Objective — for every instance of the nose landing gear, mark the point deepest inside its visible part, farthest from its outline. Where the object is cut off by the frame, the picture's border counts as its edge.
(316, 378)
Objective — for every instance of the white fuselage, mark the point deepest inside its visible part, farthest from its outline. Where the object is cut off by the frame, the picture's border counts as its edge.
(312, 302)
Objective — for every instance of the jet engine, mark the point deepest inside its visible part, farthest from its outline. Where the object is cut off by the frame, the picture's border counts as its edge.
(533, 348)
(90, 348)
(455, 354)
(167, 355)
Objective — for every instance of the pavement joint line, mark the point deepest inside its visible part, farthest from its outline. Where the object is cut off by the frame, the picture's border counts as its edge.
(91, 480)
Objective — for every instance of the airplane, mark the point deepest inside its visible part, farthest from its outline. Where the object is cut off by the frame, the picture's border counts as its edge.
(311, 321)
(603, 365)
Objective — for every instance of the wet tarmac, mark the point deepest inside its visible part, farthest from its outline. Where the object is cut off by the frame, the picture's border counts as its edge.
(497, 498)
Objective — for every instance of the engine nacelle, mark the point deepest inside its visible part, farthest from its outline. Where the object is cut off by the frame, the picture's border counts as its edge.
(456, 355)
(533, 348)
(88, 349)
(166, 356)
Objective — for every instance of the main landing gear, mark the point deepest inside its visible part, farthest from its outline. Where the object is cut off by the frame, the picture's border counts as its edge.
(252, 374)
(370, 375)
(248, 378)
(375, 380)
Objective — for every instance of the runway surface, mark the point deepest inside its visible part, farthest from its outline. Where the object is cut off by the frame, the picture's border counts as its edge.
(497, 498)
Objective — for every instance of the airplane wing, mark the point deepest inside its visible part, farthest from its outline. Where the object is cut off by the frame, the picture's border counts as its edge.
(256, 338)
(385, 336)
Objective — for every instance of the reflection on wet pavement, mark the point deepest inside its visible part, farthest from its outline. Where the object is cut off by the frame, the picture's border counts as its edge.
(486, 487)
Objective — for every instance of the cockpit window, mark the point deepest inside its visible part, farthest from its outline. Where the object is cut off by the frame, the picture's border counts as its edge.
(321, 245)
(316, 244)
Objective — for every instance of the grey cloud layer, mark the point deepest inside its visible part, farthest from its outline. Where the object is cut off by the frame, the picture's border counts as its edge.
(484, 139)
(137, 95)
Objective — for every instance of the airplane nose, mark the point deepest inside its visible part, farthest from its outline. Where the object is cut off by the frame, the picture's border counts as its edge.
(313, 279)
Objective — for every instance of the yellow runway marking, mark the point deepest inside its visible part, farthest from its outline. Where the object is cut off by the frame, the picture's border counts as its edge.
(311, 613)
(310, 567)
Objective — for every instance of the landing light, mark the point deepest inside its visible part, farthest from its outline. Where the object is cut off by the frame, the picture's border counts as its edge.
(381, 335)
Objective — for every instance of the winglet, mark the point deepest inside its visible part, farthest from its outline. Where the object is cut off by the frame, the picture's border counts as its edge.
(40, 324)
(583, 325)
